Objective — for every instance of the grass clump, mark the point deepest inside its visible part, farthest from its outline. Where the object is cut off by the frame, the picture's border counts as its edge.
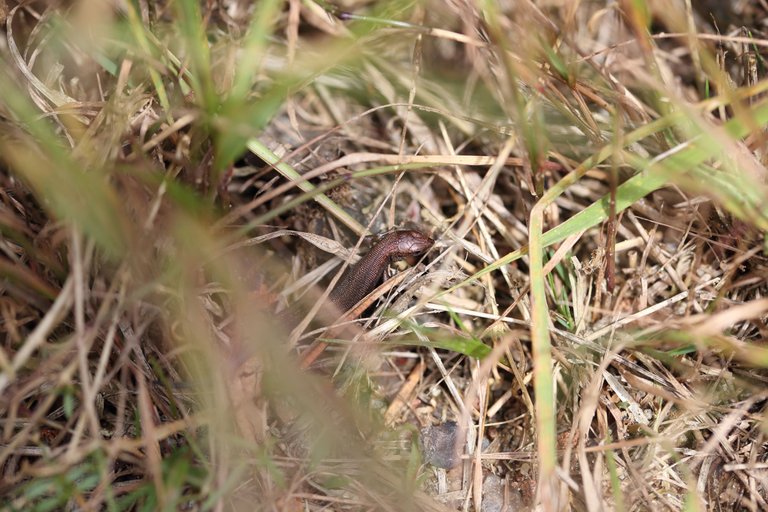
(180, 178)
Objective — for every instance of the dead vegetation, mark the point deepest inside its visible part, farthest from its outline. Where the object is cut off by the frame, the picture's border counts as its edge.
(179, 178)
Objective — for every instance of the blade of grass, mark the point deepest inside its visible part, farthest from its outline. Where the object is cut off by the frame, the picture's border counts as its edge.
(139, 34)
(197, 51)
(543, 385)
(263, 152)
(618, 497)
(253, 50)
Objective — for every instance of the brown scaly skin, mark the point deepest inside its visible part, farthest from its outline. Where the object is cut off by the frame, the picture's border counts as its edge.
(362, 278)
